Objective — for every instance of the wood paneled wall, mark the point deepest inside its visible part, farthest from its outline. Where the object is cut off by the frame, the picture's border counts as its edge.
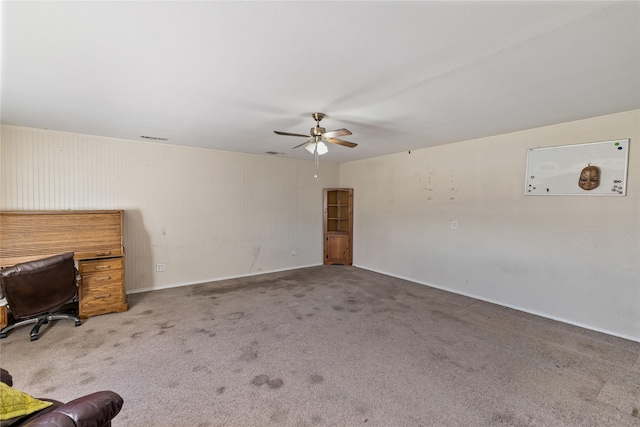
(205, 214)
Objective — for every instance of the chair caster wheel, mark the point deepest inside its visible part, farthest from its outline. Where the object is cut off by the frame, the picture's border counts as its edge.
(3, 335)
(78, 322)
(34, 337)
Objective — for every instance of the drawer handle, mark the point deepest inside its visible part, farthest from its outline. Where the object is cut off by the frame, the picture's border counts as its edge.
(103, 296)
(103, 267)
(102, 279)
(103, 253)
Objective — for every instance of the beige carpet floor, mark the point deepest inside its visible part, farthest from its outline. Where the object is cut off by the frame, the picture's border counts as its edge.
(331, 346)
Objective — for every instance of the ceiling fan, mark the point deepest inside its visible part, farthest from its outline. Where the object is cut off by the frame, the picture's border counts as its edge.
(318, 136)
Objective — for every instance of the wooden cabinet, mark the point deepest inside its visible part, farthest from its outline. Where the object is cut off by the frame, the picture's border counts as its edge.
(338, 226)
(101, 288)
(96, 239)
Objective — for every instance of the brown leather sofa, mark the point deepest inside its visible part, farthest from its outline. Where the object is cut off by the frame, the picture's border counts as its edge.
(93, 410)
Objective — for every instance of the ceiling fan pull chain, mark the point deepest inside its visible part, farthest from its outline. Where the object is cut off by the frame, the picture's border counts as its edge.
(315, 151)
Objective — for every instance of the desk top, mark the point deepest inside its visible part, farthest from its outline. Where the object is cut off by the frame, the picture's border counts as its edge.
(29, 235)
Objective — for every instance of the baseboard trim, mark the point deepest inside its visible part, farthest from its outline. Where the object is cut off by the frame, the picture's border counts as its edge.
(503, 304)
(215, 279)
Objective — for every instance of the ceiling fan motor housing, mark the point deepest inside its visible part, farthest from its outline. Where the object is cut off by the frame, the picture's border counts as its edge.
(317, 131)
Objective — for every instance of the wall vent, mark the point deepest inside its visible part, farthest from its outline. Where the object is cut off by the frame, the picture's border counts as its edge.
(154, 138)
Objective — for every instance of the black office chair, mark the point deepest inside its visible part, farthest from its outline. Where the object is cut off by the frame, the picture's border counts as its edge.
(40, 291)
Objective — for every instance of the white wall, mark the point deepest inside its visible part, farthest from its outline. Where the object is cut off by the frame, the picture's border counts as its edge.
(572, 258)
(206, 214)
(209, 215)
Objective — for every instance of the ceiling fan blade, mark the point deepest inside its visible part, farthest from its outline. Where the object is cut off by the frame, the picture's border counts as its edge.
(337, 132)
(300, 145)
(290, 134)
(341, 142)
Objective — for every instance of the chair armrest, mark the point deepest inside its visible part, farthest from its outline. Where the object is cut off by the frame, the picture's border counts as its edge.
(6, 377)
(51, 419)
(93, 410)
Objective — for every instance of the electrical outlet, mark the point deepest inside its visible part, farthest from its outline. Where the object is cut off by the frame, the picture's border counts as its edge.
(294, 252)
(160, 267)
(454, 225)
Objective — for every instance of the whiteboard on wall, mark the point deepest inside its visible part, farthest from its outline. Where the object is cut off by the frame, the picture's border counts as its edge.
(556, 170)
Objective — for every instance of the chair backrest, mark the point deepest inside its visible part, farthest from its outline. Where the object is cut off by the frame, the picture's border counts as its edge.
(37, 287)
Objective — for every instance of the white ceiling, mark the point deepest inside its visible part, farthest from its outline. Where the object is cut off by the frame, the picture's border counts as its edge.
(399, 75)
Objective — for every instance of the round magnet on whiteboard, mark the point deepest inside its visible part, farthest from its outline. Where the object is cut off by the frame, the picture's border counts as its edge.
(619, 148)
(617, 143)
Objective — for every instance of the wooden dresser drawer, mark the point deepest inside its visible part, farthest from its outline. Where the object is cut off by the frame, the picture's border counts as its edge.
(105, 298)
(100, 265)
(101, 279)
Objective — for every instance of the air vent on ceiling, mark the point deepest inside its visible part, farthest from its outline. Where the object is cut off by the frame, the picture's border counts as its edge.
(154, 138)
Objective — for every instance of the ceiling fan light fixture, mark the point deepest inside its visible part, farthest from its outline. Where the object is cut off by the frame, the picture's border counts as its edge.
(321, 147)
